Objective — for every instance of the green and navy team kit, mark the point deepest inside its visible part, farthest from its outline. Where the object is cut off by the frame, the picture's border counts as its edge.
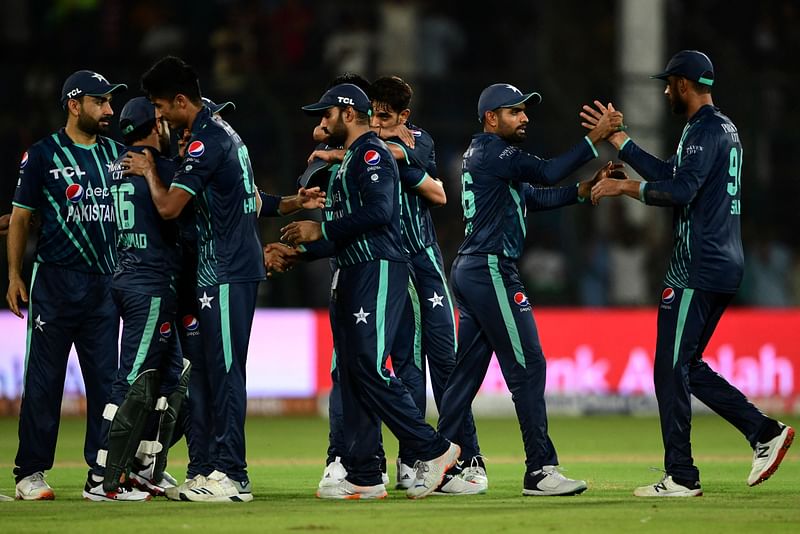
(367, 292)
(499, 183)
(217, 172)
(67, 185)
(148, 260)
(702, 183)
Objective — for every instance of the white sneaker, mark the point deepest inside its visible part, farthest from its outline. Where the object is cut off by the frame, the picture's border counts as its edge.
(405, 475)
(34, 488)
(430, 474)
(667, 488)
(548, 481)
(156, 488)
(346, 490)
(458, 485)
(174, 494)
(767, 457)
(5, 498)
(333, 474)
(476, 472)
(93, 491)
(218, 488)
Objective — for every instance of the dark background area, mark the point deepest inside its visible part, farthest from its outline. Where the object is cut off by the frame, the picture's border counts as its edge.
(272, 56)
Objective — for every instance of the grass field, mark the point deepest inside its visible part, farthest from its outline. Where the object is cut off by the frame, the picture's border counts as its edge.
(286, 456)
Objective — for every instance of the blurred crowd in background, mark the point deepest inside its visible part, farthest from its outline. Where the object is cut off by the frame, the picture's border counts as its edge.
(272, 56)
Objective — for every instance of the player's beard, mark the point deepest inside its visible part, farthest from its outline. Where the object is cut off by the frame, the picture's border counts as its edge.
(337, 133)
(677, 105)
(92, 126)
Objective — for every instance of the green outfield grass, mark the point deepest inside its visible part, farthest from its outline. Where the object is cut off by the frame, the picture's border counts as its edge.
(286, 459)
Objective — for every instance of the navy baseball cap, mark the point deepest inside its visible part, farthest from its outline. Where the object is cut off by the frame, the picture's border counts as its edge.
(503, 95)
(137, 111)
(344, 94)
(222, 109)
(692, 65)
(87, 82)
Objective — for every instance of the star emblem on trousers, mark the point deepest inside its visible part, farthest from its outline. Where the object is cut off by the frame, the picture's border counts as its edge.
(39, 323)
(436, 300)
(361, 316)
(205, 301)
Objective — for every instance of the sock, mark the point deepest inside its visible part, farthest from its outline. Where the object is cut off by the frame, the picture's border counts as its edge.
(771, 431)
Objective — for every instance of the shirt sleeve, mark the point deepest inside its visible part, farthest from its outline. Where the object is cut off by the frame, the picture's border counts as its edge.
(548, 198)
(30, 184)
(690, 174)
(269, 205)
(203, 156)
(650, 167)
(516, 164)
(377, 190)
(317, 249)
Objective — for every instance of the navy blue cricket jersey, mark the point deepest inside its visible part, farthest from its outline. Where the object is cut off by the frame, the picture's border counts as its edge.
(67, 184)
(416, 224)
(494, 180)
(148, 251)
(364, 203)
(702, 182)
(216, 171)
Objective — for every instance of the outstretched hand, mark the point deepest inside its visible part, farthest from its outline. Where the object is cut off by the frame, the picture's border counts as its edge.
(310, 199)
(138, 163)
(299, 232)
(613, 131)
(609, 170)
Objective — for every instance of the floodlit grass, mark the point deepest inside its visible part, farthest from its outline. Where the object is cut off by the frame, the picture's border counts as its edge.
(286, 457)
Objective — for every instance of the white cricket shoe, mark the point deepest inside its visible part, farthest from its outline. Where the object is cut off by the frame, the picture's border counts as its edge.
(34, 488)
(4, 498)
(476, 472)
(667, 487)
(156, 488)
(429, 474)
(405, 475)
(347, 490)
(333, 474)
(174, 494)
(767, 457)
(218, 488)
(93, 491)
(548, 481)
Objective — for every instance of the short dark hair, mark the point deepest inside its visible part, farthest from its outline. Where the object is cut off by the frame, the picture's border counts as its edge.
(392, 91)
(138, 133)
(353, 78)
(171, 76)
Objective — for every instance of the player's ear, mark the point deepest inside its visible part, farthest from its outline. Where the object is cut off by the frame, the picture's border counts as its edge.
(404, 115)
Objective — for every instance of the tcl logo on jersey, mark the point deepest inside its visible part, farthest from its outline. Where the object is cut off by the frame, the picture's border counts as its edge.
(74, 193)
(67, 172)
(668, 295)
(371, 157)
(196, 149)
(24, 161)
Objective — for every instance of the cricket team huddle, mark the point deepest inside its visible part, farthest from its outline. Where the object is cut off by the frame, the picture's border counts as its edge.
(169, 244)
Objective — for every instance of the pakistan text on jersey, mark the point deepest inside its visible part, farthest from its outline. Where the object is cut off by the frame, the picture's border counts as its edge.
(90, 213)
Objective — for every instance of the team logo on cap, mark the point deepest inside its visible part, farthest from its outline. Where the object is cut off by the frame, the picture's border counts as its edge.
(24, 160)
(190, 323)
(196, 149)
(165, 329)
(668, 295)
(520, 299)
(371, 157)
(75, 193)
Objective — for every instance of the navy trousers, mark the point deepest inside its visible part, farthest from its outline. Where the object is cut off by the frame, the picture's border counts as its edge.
(368, 299)
(495, 315)
(226, 315)
(686, 321)
(65, 308)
